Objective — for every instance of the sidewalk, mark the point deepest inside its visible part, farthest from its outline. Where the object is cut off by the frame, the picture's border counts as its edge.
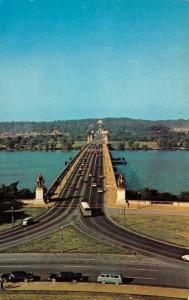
(98, 288)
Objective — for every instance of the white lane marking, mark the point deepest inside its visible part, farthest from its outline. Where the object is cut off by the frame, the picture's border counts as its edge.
(19, 266)
(143, 278)
(134, 269)
(22, 259)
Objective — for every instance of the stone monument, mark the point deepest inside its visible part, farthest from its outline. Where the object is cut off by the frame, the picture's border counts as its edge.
(40, 189)
(121, 193)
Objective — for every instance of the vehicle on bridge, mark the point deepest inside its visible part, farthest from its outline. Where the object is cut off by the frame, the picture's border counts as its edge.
(110, 277)
(85, 209)
(100, 190)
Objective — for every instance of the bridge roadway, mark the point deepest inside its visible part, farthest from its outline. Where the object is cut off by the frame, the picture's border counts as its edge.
(103, 228)
(58, 215)
(100, 226)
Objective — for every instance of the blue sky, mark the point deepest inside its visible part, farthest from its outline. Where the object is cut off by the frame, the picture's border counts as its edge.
(73, 59)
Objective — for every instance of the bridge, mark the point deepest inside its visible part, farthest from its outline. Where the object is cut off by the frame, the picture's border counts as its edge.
(89, 177)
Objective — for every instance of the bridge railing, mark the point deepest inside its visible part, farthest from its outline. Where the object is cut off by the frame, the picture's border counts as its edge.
(62, 174)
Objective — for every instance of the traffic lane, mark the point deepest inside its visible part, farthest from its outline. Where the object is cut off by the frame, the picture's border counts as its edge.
(53, 212)
(86, 179)
(109, 230)
(50, 222)
(144, 275)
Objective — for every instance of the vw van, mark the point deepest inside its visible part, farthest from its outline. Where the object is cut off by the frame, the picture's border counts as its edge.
(110, 277)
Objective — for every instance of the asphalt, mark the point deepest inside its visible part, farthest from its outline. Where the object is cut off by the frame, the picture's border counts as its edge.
(135, 269)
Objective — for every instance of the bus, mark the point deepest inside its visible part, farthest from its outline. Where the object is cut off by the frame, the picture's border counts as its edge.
(85, 209)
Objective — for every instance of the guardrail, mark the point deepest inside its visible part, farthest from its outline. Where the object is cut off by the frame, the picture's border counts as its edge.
(63, 173)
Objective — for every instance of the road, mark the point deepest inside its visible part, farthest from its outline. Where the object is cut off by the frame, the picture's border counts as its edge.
(135, 269)
(102, 227)
(59, 215)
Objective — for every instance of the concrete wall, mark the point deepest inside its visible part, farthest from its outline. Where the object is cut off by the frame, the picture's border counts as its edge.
(148, 203)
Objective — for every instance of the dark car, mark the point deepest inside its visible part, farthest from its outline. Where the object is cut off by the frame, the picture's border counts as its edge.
(17, 276)
(66, 276)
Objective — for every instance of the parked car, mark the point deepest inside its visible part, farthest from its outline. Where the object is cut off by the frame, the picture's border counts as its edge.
(110, 277)
(17, 276)
(185, 257)
(65, 276)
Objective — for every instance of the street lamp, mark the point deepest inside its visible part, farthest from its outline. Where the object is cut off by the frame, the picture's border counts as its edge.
(124, 220)
(12, 215)
(138, 198)
(61, 238)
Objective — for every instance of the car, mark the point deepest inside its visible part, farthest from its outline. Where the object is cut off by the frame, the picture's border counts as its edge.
(110, 277)
(94, 184)
(71, 187)
(100, 190)
(65, 276)
(101, 176)
(185, 257)
(17, 276)
(90, 174)
(27, 221)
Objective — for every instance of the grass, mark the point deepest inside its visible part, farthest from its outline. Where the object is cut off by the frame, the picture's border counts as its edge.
(79, 144)
(77, 296)
(19, 215)
(173, 229)
(151, 144)
(73, 242)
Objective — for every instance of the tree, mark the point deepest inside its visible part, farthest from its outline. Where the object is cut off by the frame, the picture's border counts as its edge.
(184, 196)
(131, 144)
(121, 146)
(162, 143)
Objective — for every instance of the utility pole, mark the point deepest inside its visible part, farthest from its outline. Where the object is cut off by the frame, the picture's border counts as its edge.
(12, 215)
(61, 238)
(124, 216)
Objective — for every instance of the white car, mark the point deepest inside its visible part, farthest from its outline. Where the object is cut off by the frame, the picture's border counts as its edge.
(185, 257)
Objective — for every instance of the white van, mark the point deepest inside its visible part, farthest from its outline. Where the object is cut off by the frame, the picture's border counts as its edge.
(110, 277)
(27, 221)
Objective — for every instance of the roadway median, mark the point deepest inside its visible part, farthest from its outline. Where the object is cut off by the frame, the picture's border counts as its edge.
(97, 288)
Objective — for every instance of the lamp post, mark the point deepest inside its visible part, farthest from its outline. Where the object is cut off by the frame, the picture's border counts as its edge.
(12, 215)
(124, 216)
(61, 238)
(138, 198)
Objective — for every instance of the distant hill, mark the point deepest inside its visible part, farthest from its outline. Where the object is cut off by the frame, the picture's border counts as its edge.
(79, 128)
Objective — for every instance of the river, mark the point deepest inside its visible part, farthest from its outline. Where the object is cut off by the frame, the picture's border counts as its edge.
(163, 170)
